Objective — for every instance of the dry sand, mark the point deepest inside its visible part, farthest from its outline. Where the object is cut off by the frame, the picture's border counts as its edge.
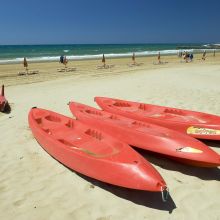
(35, 186)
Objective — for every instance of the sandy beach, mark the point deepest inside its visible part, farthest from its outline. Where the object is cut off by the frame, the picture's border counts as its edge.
(33, 185)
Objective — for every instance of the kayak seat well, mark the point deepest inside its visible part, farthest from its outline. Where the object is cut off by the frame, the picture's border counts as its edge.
(122, 104)
(38, 120)
(87, 148)
(174, 111)
(72, 146)
(94, 112)
(52, 125)
(53, 118)
(57, 119)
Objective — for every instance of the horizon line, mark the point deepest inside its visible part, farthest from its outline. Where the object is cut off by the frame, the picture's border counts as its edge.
(40, 44)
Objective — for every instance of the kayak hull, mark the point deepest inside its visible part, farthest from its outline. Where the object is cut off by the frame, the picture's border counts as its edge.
(196, 124)
(93, 153)
(148, 136)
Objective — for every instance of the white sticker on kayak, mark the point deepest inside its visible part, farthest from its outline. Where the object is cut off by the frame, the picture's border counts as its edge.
(202, 131)
(189, 150)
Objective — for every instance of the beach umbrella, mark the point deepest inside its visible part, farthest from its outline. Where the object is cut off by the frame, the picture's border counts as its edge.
(203, 55)
(25, 63)
(103, 58)
(158, 56)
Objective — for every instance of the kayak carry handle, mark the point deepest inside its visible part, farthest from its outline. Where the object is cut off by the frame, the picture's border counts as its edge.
(164, 193)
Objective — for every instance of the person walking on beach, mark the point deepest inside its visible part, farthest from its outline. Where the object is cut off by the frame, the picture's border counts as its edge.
(65, 61)
(191, 57)
(158, 57)
(25, 63)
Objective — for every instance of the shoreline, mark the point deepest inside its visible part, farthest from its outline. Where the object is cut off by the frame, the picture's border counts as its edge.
(49, 70)
(10, 54)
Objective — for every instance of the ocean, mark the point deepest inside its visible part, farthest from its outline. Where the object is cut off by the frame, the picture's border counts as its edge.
(44, 53)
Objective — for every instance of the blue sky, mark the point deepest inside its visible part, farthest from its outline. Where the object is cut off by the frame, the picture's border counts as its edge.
(109, 21)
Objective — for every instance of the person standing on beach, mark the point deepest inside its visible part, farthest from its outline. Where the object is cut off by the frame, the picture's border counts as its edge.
(65, 61)
(191, 57)
(185, 56)
(158, 57)
(61, 58)
(25, 63)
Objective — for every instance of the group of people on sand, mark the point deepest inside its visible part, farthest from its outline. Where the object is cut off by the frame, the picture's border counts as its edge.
(63, 60)
(188, 57)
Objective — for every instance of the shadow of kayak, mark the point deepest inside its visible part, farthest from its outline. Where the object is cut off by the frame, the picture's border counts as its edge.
(139, 197)
(169, 164)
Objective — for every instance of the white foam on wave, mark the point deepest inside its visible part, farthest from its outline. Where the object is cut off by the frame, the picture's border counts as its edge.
(32, 59)
(208, 45)
(66, 51)
(99, 56)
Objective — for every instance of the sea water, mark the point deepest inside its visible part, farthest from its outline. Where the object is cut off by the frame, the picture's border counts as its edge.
(44, 53)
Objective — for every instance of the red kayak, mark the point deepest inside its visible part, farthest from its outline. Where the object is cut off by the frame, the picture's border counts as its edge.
(196, 124)
(148, 136)
(92, 152)
(3, 100)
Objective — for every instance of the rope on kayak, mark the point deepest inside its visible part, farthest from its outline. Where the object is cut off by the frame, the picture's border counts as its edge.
(164, 193)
